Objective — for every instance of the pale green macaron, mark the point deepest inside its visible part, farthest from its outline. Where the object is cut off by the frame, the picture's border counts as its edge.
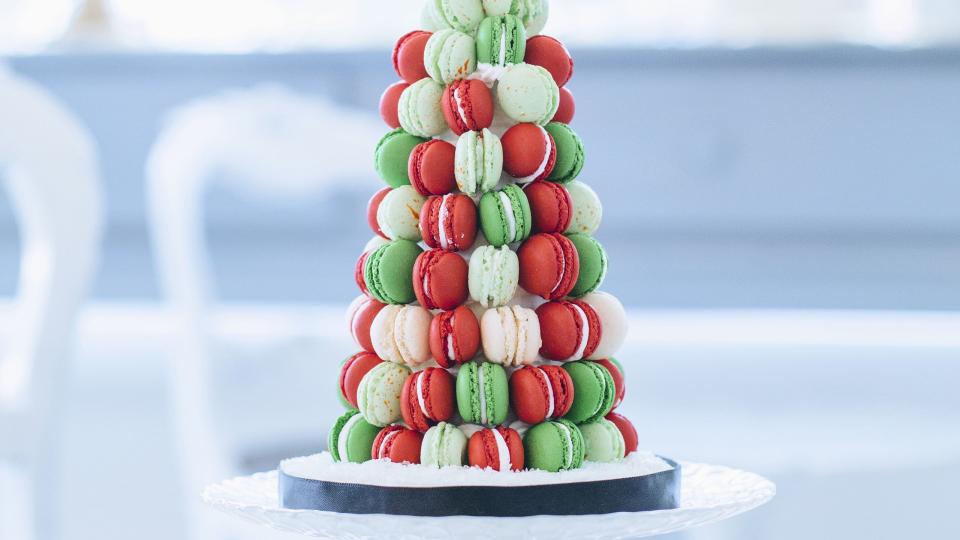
(602, 441)
(462, 15)
(587, 209)
(444, 445)
(478, 162)
(399, 213)
(419, 108)
(528, 93)
(450, 55)
(493, 275)
(533, 13)
(378, 396)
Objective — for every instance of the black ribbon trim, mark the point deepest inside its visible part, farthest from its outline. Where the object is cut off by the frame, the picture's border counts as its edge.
(658, 491)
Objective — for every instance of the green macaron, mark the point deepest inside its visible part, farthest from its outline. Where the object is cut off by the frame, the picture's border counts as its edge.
(553, 446)
(593, 391)
(593, 264)
(378, 396)
(449, 55)
(351, 438)
(505, 216)
(388, 272)
(501, 40)
(478, 161)
(528, 93)
(419, 109)
(569, 153)
(444, 445)
(602, 441)
(392, 154)
(483, 395)
(493, 275)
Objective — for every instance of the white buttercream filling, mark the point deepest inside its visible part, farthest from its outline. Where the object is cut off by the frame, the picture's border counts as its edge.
(383, 444)
(344, 434)
(483, 395)
(423, 406)
(442, 222)
(502, 451)
(546, 158)
(568, 437)
(503, 45)
(563, 270)
(546, 379)
(460, 111)
(584, 337)
(451, 354)
(511, 219)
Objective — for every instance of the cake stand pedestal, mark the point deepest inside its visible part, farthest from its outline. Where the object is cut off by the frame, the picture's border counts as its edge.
(709, 493)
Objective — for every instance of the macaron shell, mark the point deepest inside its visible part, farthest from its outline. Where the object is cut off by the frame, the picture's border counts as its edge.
(629, 433)
(496, 217)
(478, 163)
(390, 102)
(462, 15)
(613, 319)
(569, 330)
(545, 446)
(593, 264)
(419, 109)
(484, 452)
(458, 330)
(361, 319)
(467, 106)
(530, 396)
(550, 54)
(388, 272)
(403, 445)
(529, 152)
(378, 396)
(398, 214)
(456, 215)
(440, 279)
(373, 205)
(493, 275)
(567, 108)
(587, 209)
(443, 445)
(570, 154)
(438, 398)
(616, 373)
(450, 55)
(359, 439)
(501, 40)
(593, 391)
(528, 93)
(392, 155)
(602, 441)
(549, 266)
(411, 330)
(510, 335)
(496, 393)
(352, 372)
(551, 207)
(408, 56)
(431, 168)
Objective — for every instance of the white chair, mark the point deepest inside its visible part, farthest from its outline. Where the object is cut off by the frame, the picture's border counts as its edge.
(268, 141)
(49, 163)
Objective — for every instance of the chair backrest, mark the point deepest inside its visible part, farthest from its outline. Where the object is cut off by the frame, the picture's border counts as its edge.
(49, 163)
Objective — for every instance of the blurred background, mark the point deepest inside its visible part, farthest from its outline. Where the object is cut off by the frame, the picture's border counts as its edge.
(781, 183)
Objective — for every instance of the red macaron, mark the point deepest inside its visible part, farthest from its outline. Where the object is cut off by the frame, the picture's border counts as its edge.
(567, 107)
(360, 321)
(454, 336)
(569, 330)
(449, 222)
(549, 265)
(358, 273)
(618, 381)
(630, 438)
(550, 54)
(372, 207)
(467, 105)
(389, 103)
(352, 372)
(550, 206)
(499, 448)
(539, 393)
(408, 56)
(440, 279)
(398, 444)
(427, 398)
(529, 152)
(430, 168)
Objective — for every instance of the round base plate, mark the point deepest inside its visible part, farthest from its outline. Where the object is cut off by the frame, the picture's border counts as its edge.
(708, 493)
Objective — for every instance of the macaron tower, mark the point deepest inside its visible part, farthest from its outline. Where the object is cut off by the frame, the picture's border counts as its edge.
(483, 338)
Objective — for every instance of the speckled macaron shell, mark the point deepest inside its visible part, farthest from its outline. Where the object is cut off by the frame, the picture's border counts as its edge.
(462, 15)
(378, 396)
(587, 208)
(419, 109)
(450, 55)
(478, 161)
(528, 93)
(398, 214)
(493, 275)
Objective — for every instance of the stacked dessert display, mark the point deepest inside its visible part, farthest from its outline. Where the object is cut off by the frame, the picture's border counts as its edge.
(485, 340)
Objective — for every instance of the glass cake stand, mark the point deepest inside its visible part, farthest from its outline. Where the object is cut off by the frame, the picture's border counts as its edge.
(709, 493)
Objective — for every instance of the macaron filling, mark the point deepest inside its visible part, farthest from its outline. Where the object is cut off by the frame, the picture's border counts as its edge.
(549, 386)
(482, 389)
(562, 261)
(384, 448)
(548, 146)
(421, 394)
(344, 436)
(502, 59)
(567, 444)
(584, 332)
(503, 452)
(442, 222)
(508, 216)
